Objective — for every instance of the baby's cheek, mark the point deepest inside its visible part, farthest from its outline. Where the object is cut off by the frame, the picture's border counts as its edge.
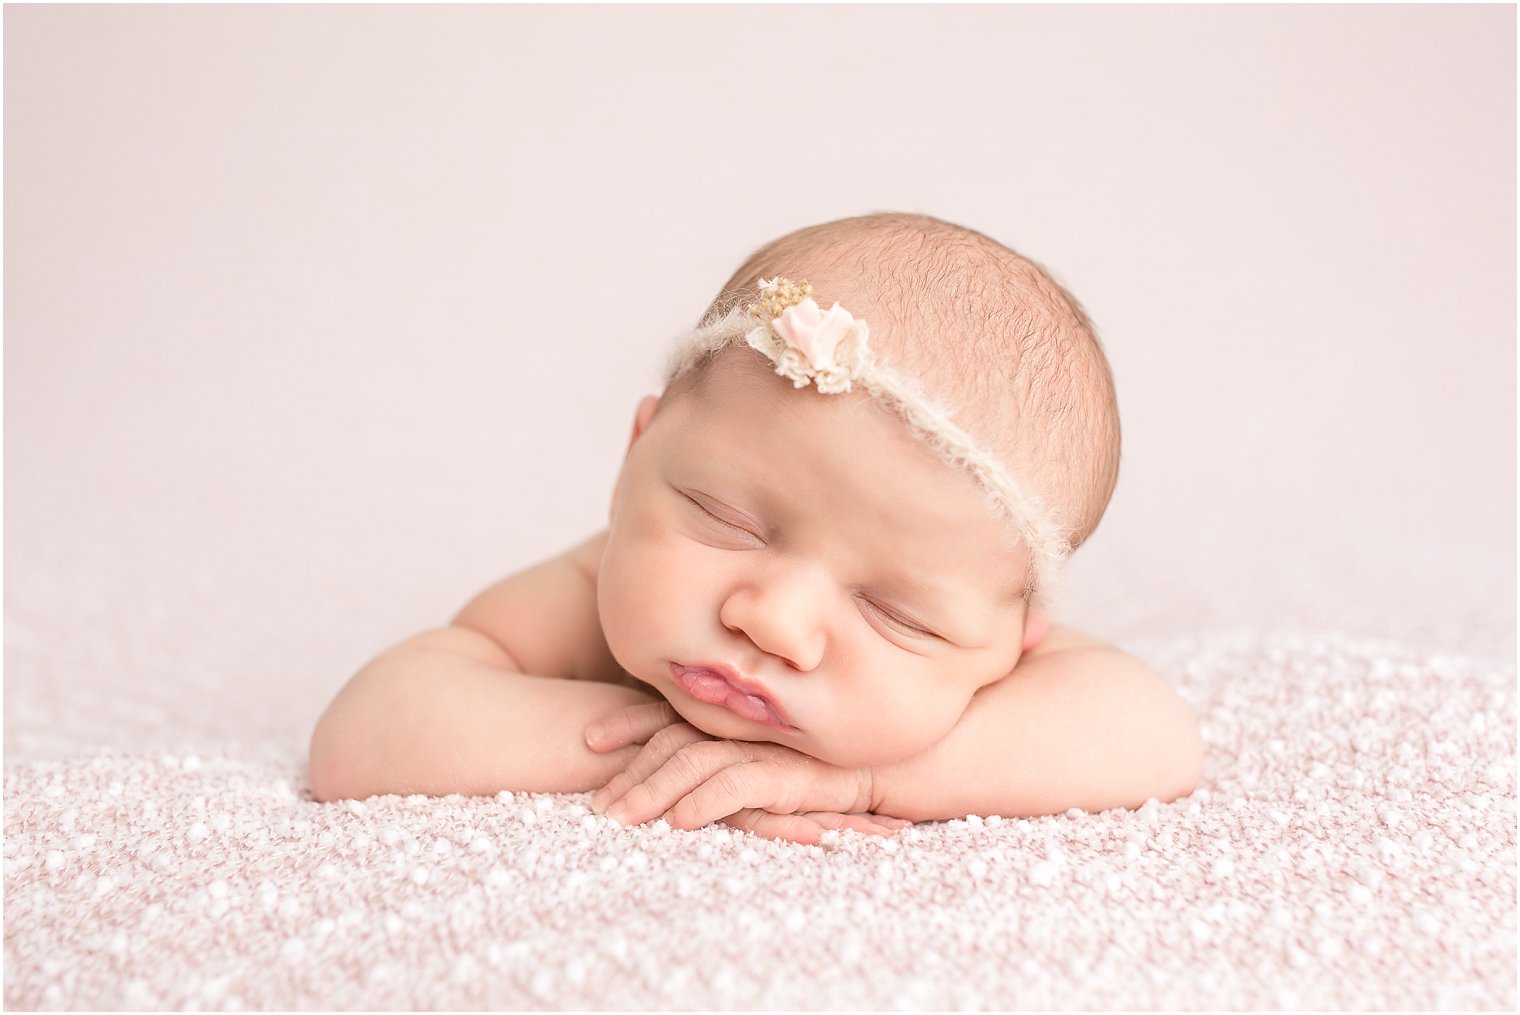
(907, 725)
(639, 598)
(617, 606)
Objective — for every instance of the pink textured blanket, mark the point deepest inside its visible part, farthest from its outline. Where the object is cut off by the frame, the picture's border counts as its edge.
(1353, 846)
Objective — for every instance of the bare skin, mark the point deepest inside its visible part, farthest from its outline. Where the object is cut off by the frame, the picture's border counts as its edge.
(806, 624)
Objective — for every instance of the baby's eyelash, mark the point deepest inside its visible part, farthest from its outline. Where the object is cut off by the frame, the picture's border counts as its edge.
(721, 521)
(896, 621)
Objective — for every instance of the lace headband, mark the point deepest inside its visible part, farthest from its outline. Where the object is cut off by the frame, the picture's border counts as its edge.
(831, 351)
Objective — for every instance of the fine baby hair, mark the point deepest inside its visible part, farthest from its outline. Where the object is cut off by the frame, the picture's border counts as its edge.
(1028, 406)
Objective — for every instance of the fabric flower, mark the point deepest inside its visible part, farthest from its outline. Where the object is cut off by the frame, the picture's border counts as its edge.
(815, 334)
(805, 343)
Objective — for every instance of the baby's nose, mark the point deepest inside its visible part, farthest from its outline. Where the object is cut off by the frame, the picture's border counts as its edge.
(783, 615)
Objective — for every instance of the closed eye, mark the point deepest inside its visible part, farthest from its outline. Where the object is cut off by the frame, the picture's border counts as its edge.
(896, 622)
(716, 519)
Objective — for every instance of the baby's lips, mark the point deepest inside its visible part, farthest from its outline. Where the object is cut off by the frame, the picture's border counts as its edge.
(717, 684)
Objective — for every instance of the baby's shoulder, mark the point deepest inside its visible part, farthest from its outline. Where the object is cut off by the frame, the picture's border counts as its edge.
(587, 557)
(546, 617)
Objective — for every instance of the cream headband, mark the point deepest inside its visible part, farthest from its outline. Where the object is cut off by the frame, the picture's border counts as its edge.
(831, 351)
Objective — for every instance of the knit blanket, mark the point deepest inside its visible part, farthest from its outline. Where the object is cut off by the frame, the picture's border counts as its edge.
(1352, 846)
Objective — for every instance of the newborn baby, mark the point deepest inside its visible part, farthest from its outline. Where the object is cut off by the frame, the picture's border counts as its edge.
(823, 598)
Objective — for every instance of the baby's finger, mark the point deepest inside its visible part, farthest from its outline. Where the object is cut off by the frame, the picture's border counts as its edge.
(632, 725)
(771, 785)
(885, 821)
(694, 765)
(650, 760)
(805, 828)
(796, 828)
(737, 787)
(869, 824)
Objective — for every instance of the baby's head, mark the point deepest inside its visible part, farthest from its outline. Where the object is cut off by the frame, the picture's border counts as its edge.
(840, 572)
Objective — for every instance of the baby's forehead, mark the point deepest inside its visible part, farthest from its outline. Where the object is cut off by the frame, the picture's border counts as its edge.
(844, 469)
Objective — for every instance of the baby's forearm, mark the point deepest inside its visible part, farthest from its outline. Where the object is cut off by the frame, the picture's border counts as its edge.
(1083, 728)
(427, 718)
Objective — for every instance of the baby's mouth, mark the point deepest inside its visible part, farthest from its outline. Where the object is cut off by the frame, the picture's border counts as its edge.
(717, 685)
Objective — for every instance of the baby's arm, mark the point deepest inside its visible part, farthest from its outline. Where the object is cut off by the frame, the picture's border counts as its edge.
(452, 711)
(1076, 724)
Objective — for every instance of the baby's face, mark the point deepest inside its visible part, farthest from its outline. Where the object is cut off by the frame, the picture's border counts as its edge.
(797, 568)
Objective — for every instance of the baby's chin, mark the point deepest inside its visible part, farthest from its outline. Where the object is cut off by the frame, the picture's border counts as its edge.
(726, 726)
(716, 721)
(719, 723)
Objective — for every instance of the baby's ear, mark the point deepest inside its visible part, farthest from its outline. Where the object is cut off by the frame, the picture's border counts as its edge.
(647, 405)
(1036, 626)
(641, 417)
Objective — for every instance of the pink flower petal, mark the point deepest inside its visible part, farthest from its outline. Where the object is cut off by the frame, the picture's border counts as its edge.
(816, 335)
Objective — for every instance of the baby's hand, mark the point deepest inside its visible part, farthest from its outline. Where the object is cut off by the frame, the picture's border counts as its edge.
(692, 779)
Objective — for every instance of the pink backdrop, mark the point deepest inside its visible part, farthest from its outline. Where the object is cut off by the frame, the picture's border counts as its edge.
(319, 319)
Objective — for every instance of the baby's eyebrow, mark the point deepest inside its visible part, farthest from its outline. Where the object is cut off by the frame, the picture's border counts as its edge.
(935, 590)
